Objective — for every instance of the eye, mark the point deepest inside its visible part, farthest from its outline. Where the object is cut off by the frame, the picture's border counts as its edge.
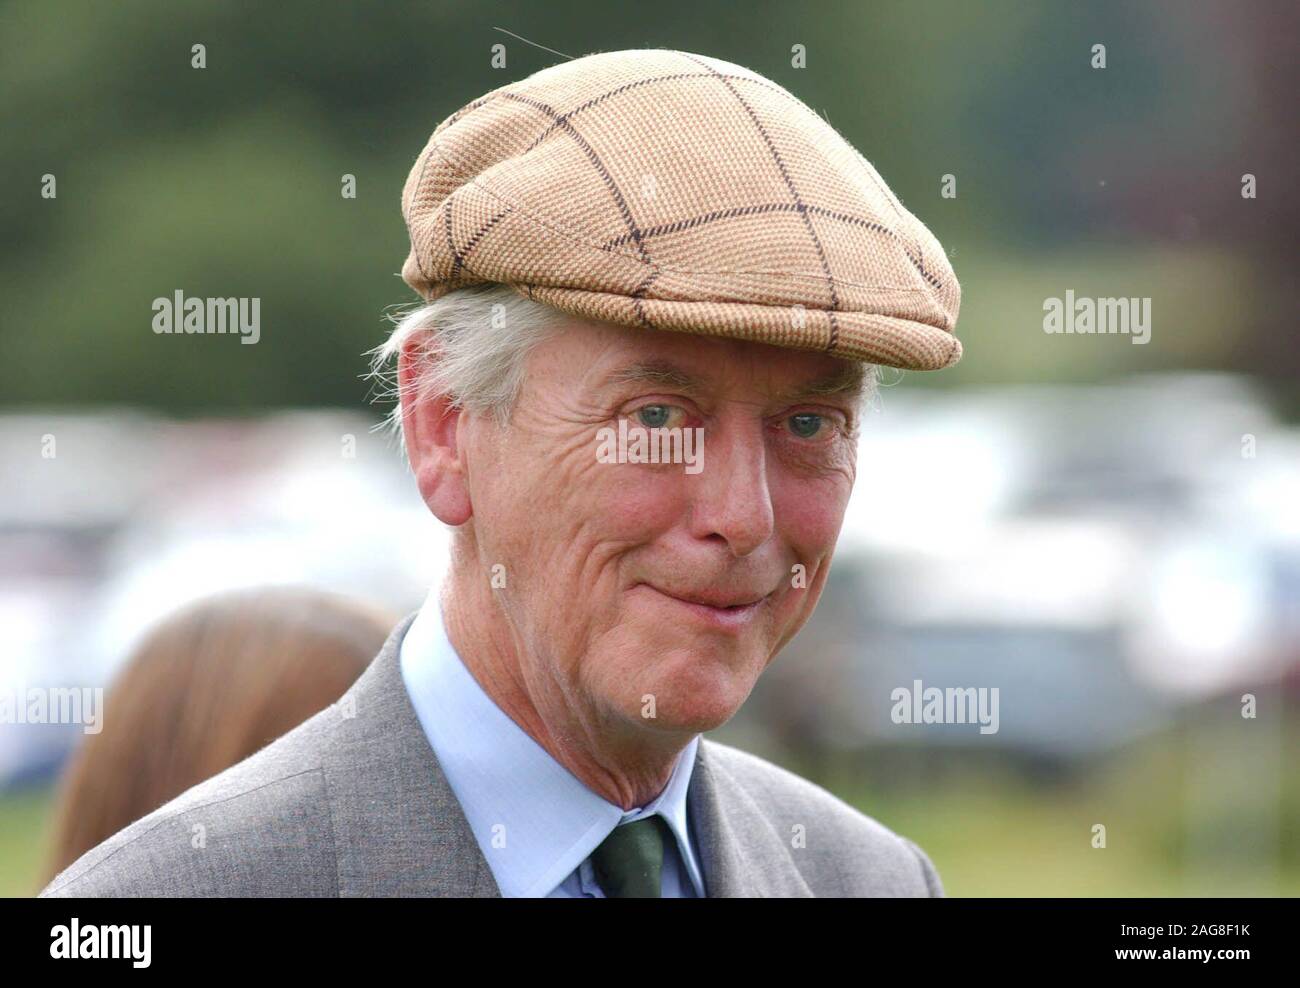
(806, 425)
(658, 416)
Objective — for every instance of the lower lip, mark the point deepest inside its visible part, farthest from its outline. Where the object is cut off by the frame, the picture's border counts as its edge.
(723, 618)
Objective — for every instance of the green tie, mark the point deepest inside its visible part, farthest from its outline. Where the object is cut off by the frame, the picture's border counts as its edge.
(629, 861)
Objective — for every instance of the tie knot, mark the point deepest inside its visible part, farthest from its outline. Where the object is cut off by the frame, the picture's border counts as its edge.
(628, 862)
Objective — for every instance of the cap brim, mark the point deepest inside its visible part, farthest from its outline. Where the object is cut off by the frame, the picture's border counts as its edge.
(864, 336)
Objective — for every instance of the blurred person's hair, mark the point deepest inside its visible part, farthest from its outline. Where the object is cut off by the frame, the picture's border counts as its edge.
(210, 685)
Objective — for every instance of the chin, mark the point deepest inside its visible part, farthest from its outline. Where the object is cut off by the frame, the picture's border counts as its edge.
(696, 691)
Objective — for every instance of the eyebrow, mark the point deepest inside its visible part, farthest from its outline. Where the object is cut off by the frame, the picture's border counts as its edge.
(849, 381)
(659, 372)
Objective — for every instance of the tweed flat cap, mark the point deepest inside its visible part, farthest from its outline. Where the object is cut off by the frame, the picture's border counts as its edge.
(674, 191)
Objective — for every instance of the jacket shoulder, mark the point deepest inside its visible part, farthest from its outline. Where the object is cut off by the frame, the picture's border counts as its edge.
(259, 828)
(840, 850)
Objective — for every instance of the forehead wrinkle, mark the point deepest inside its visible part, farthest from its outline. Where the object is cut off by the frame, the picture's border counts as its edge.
(849, 380)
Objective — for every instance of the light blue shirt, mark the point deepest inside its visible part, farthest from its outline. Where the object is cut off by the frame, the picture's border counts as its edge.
(535, 822)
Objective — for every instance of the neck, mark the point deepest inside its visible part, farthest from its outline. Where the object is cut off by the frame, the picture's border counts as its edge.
(621, 762)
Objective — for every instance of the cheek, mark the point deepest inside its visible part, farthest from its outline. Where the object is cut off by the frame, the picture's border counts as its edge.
(809, 513)
(566, 513)
(635, 502)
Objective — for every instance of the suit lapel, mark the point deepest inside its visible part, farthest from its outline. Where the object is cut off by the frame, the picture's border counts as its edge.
(742, 856)
(398, 828)
(400, 831)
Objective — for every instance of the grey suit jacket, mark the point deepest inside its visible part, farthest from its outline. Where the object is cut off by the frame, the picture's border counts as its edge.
(353, 803)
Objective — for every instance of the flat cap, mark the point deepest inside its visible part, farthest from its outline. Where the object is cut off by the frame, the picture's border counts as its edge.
(674, 191)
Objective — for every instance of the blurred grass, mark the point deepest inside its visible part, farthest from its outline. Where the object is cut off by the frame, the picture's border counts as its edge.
(25, 817)
(1005, 835)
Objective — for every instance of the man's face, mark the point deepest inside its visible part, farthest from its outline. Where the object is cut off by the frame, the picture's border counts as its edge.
(624, 580)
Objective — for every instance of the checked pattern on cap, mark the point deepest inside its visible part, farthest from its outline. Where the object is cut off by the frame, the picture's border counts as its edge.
(670, 191)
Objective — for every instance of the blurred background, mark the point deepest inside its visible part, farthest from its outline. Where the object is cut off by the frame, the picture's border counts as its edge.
(1107, 533)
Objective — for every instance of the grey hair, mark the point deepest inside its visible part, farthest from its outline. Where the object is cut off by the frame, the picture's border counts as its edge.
(475, 341)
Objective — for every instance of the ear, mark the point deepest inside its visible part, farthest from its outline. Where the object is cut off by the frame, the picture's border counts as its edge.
(431, 428)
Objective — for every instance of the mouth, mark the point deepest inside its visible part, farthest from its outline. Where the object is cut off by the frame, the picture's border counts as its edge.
(728, 612)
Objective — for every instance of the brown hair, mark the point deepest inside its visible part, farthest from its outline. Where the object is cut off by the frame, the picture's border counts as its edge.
(210, 685)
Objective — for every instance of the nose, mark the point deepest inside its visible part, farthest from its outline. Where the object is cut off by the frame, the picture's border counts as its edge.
(730, 500)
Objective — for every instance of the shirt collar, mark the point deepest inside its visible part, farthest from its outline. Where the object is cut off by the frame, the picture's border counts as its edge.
(533, 819)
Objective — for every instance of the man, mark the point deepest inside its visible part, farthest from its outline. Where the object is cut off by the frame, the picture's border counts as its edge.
(657, 287)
